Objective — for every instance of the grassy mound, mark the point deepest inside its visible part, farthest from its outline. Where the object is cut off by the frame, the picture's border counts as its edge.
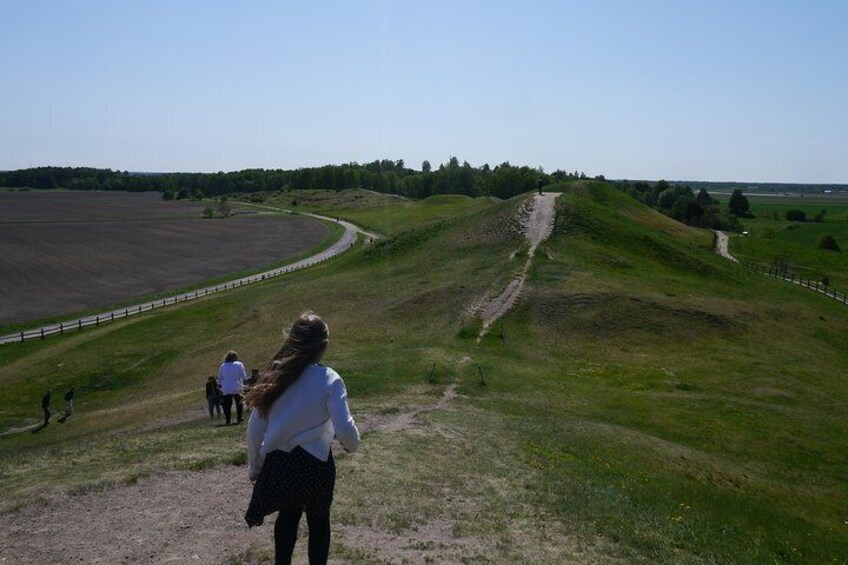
(645, 399)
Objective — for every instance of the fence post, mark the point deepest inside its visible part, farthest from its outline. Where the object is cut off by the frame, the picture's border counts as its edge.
(97, 320)
(112, 314)
(79, 324)
(42, 333)
(61, 328)
(22, 337)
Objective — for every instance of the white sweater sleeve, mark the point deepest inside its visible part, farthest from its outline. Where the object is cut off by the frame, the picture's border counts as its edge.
(255, 435)
(345, 428)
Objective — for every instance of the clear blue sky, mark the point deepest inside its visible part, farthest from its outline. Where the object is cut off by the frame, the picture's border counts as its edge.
(713, 90)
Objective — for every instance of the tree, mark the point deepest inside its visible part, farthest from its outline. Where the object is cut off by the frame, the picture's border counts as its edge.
(827, 241)
(704, 199)
(667, 198)
(224, 208)
(425, 167)
(738, 204)
(796, 216)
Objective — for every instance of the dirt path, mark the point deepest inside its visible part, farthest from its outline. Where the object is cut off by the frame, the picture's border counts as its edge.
(173, 517)
(537, 220)
(722, 242)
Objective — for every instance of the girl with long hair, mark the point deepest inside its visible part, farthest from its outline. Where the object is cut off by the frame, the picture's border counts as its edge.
(298, 407)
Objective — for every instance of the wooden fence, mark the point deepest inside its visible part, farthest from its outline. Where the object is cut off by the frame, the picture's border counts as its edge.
(788, 276)
(96, 320)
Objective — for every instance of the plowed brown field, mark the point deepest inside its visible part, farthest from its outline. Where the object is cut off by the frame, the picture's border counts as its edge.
(65, 252)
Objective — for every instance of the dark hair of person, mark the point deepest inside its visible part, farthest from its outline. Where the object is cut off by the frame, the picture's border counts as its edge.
(305, 344)
(231, 356)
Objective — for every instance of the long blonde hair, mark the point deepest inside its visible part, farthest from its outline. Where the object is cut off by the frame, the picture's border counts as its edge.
(305, 344)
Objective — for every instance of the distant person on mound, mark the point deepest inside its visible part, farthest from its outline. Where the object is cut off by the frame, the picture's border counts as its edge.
(231, 380)
(45, 407)
(69, 401)
(213, 397)
(298, 407)
(69, 405)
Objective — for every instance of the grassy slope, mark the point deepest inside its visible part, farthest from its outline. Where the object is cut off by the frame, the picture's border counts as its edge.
(384, 213)
(773, 240)
(693, 408)
(645, 399)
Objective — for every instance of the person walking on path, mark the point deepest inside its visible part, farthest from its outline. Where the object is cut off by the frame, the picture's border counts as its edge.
(69, 404)
(213, 397)
(69, 401)
(231, 378)
(298, 407)
(45, 407)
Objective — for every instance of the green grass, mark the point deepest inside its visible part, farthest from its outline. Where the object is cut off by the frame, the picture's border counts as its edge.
(384, 213)
(646, 400)
(772, 240)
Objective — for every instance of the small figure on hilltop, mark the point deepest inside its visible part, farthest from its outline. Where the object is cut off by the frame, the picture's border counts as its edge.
(298, 407)
(231, 381)
(213, 397)
(69, 404)
(69, 401)
(45, 407)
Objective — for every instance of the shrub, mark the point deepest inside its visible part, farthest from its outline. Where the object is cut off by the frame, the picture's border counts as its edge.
(208, 212)
(827, 241)
(796, 216)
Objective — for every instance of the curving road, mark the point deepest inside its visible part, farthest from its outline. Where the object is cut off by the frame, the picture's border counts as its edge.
(343, 244)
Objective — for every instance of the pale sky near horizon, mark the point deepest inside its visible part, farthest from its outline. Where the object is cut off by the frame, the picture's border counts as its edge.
(700, 90)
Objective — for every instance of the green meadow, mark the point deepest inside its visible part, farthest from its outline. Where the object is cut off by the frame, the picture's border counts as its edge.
(773, 240)
(373, 211)
(645, 400)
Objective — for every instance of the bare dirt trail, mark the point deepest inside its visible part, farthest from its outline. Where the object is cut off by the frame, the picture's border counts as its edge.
(172, 517)
(537, 221)
(722, 242)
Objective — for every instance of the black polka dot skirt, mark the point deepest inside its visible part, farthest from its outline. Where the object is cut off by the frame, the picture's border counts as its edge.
(292, 480)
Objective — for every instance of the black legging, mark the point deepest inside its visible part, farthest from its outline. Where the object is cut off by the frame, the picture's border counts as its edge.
(285, 536)
(228, 406)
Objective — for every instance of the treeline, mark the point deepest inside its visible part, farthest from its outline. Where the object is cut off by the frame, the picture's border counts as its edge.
(502, 181)
(681, 203)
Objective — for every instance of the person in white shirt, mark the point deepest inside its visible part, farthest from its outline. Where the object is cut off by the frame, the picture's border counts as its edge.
(298, 408)
(231, 377)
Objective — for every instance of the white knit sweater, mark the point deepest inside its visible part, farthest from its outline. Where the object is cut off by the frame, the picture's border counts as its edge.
(309, 414)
